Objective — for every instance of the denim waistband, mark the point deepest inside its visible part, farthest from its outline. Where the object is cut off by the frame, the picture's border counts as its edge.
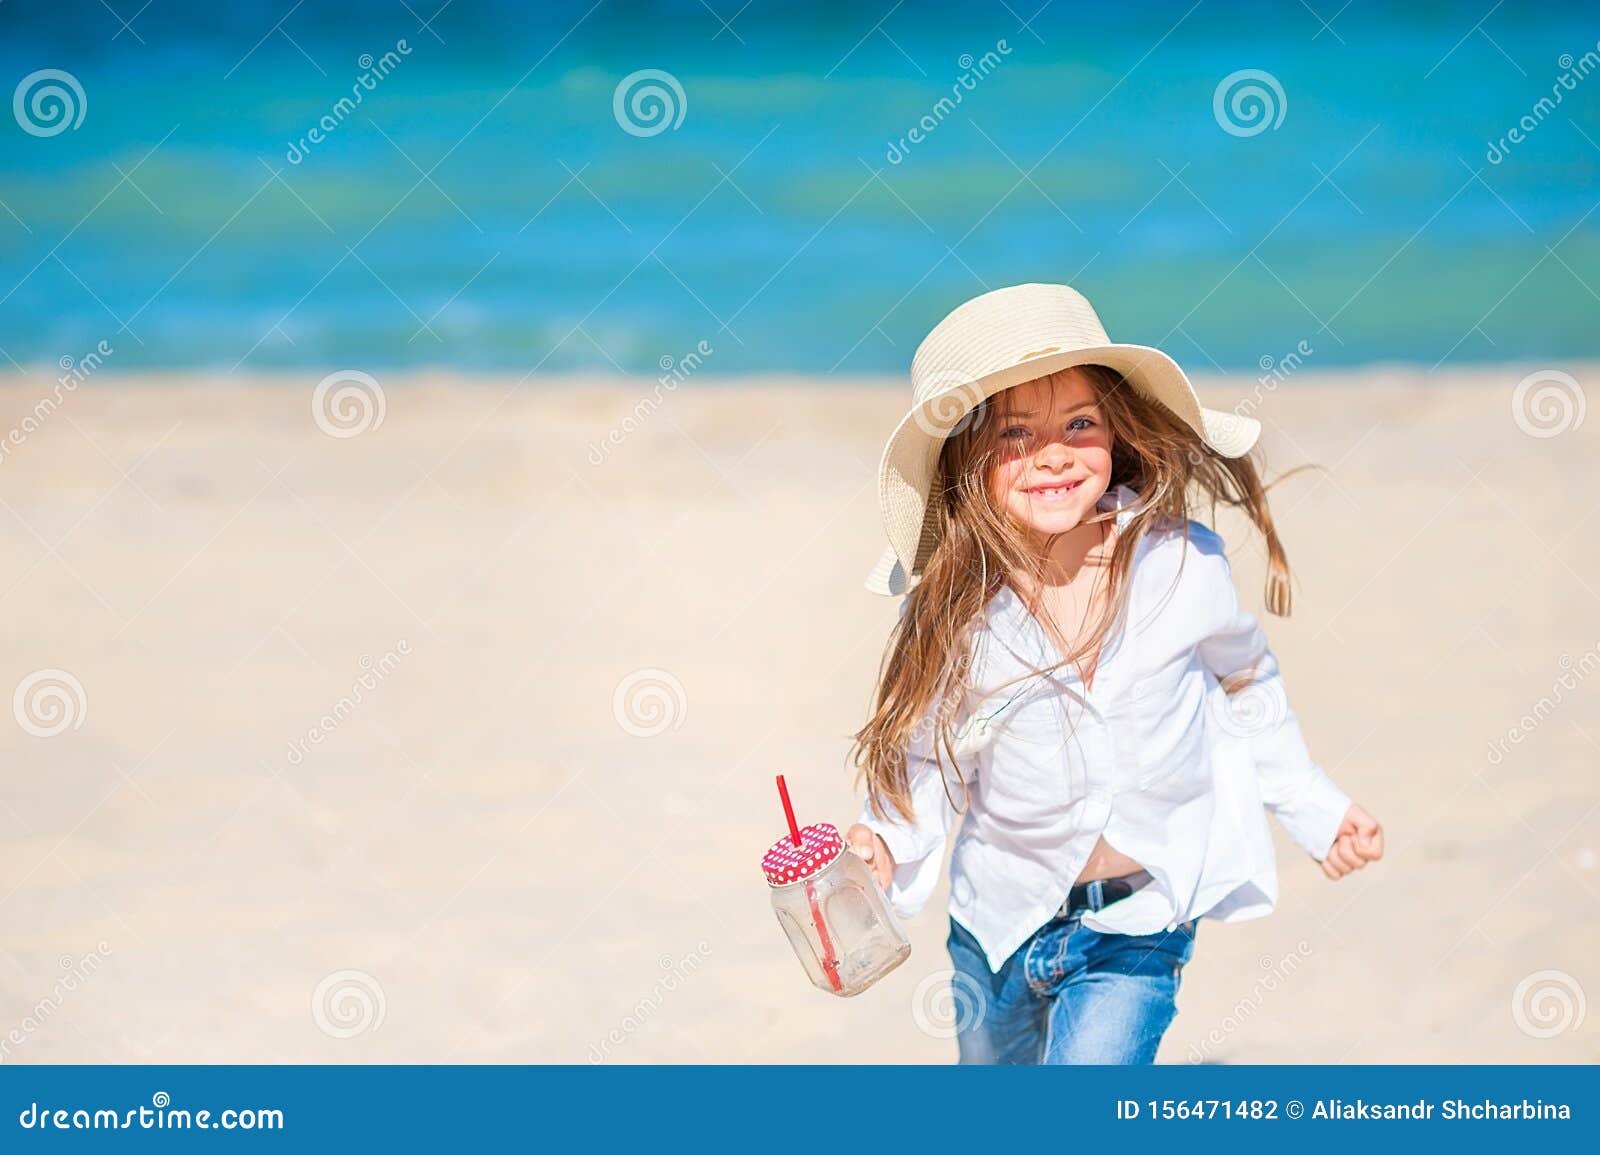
(1101, 893)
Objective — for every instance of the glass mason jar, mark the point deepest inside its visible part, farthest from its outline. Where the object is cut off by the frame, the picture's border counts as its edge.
(837, 920)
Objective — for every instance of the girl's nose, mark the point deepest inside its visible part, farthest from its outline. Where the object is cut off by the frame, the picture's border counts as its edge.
(1055, 455)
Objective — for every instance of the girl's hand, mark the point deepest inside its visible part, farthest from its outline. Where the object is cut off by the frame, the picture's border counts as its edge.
(1359, 841)
(871, 848)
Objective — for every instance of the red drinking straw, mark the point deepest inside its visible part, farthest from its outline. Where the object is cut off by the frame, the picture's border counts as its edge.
(830, 965)
(788, 810)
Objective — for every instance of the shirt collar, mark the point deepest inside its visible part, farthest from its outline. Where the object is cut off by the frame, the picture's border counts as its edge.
(1122, 499)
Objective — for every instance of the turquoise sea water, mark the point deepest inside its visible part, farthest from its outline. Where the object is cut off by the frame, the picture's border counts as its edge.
(484, 207)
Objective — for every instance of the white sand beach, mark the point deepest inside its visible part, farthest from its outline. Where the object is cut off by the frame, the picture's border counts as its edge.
(477, 861)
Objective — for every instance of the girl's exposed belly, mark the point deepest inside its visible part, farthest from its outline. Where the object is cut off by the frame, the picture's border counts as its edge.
(1106, 861)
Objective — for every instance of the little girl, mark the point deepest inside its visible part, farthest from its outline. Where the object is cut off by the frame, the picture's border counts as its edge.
(1073, 682)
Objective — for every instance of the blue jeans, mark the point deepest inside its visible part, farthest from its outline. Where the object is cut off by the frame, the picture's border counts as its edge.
(1070, 994)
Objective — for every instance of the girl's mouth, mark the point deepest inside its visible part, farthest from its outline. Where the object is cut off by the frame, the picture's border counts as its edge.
(1053, 492)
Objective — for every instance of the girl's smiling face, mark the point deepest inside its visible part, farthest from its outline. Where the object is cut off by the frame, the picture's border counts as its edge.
(1052, 452)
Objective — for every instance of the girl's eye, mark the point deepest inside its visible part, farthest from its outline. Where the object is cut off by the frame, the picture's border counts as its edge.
(1015, 433)
(1081, 423)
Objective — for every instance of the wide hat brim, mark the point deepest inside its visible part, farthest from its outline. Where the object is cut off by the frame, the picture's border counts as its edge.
(910, 458)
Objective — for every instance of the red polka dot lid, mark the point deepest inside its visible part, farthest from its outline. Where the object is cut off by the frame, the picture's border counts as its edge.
(785, 862)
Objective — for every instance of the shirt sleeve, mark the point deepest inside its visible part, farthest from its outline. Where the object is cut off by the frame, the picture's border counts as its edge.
(1294, 788)
(918, 846)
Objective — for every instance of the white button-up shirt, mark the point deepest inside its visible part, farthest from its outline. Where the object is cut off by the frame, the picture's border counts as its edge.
(1157, 757)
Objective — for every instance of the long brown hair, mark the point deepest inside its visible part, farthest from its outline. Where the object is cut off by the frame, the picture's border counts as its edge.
(922, 678)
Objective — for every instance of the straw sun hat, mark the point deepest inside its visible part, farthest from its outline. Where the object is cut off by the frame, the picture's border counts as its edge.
(992, 342)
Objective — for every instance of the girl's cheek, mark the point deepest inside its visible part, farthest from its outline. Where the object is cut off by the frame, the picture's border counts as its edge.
(1001, 479)
(1099, 459)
